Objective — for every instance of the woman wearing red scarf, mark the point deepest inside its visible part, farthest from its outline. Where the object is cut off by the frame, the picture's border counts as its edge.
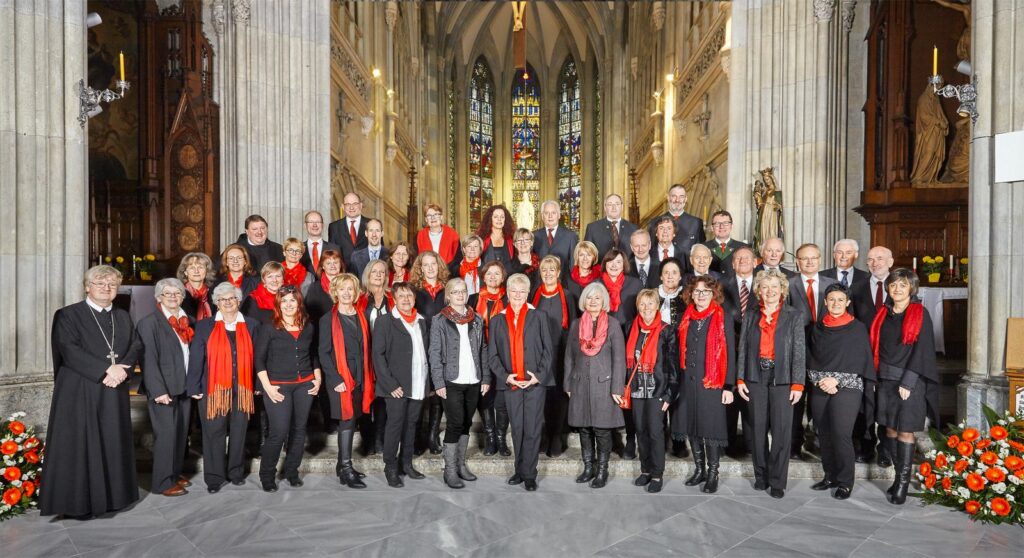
(525, 261)
(560, 307)
(839, 361)
(585, 269)
(236, 269)
(707, 373)
(196, 272)
(398, 263)
(622, 290)
(260, 303)
(165, 336)
(469, 268)
(595, 379)
(220, 379)
(496, 229)
(903, 343)
(375, 302)
(488, 304)
(296, 274)
(344, 351)
(771, 377)
(438, 237)
(653, 381)
(319, 303)
(428, 276)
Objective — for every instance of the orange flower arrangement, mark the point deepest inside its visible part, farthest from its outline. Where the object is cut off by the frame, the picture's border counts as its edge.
(953, 441)
(989, 458)
(1000, 506)
(940, 461)
(998, 433)
(972, 507)
(12, 473)
(1012, 462)
(965, 449)
(9, 447)
(947, 484)
(16, 427)
(960, 466)
(995, 474)
(970, 435)
(21, 454)
(929, 481)
(925, 469)
(983, 443)
(975, 482)
(12, 496)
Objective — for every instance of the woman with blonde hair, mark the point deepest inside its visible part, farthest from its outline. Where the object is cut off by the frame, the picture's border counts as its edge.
(197, 274)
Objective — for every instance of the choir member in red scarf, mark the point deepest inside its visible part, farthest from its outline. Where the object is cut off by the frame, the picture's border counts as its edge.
(220, 379)
(348, 371)
(488, 304)
(771, 377)
(288, 367)
(525, 261)
(839, 362)
(622, 290)
(236, 269)
(903, 343)
(707, 374)
(585, 269)
(520, 349)
(319, 303)
(196, 272)
(400, 361)
(429, 276)
(652, 383)
(497, 229)
(399, 261)
(438, 237)
(672, 309)
(560, 308)
(260, 302)
(469, 268)
(459, 376)
(595, 380)
(165, 336)
(375, 302)
(295, 273)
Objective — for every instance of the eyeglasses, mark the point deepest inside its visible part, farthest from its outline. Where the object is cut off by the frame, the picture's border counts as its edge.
(702, 292)
(355, 204)
(433, 215)
(721, 224)
(293, 251)
(223, 301)
(174, 294)
(525, 240)
(314, 222)
(235, 259)
(809, 259)
(103, 285)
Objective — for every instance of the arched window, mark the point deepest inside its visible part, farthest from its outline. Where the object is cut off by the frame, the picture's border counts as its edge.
(570, 157)
(481, 141)
(526, 141)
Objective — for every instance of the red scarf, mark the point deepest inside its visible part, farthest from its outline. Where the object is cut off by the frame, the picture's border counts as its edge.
(516, 329)
(649, 352)
(202, 298)
(264, 298)
(595, 274)
(364, 302)
(913, 317)
(325, 283)
(470, 267)
(468, 317)
(508, 246)
(238, 282)
(543, 291)
(831, 321)
(485, 296)
(394, 277)
(614, 287)
(219, 370)
(716, 361)
(446, 248)
(534, 263)
(294, 276)
(341, 362)
(409, 318)
(592, 340)
(432, 290)
(180, 326)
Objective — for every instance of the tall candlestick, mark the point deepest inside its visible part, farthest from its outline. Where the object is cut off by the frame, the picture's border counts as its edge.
(935, 62)
(914, 266)
(121, 58)
(951, 263)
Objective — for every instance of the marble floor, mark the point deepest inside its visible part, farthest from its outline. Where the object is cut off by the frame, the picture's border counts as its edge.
(490, 518)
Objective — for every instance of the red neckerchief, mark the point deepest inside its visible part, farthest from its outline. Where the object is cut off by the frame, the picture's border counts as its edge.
(180, 326)
(592, 339)
(341, 362)
(766, 345)
(614, 287)
(294, 276)
(432, 290)
(238, 282)
(449, 312)
(364, 301)
(325, 283)
(202, 298)
(220, 365)
(543, 291)
(516, 329)
(649, 352)
(912, 320)
(534, 263)
(409, 318)
(484, 297)
(470, 267)
(716, 361)
(595, 274)
(264, 298)
(830, 321)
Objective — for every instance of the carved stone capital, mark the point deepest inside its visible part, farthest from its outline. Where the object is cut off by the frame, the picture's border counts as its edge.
(823, 10)
(391, 14)
(219, 14)
(849, 9)
(658, 15)
(240, 11)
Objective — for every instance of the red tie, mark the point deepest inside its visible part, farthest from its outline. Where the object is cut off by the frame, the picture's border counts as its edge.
(352, 231)
(878, 296)
(316, 255)
(551, 238)
(721, 245)
(810, 300)
(664, 254)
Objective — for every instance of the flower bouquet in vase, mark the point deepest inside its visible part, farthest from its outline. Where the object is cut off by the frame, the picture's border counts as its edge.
(21, 453)
(964, 263)
(932, 267)
(144, 265)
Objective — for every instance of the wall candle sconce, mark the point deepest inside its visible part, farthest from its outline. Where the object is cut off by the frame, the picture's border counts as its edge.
(967, 93)
(90, 99)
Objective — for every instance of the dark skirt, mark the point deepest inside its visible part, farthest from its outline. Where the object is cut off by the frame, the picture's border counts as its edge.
(895, 413)
(699, 412)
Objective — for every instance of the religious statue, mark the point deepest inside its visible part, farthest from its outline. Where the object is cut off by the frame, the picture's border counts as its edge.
(930, 130)
(768, 202)
(959, 165)
(963, 46)
(525, 212)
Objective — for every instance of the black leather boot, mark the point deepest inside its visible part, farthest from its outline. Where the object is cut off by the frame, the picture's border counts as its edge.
(603, 437)
(886, 451)
(436, 412)
(587, 452)
(890, 451)
(394, 480)
(501, 430)
(347, 475)
(629, 451)
(711, 454)
(699, 475)
(490, 434)
(904, 463)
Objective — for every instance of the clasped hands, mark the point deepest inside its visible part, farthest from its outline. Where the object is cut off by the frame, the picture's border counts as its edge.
(531, 381)
(116, 373)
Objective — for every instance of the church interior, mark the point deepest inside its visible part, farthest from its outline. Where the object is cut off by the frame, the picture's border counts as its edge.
(138, 131)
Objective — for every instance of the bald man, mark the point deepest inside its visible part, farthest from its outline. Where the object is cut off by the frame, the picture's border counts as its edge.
(605, 231)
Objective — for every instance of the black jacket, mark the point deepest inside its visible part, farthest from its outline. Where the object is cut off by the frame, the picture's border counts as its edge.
(163, 363)
(859, 276)
(666, 369)
(284, 357)
(337, 233)
(444, 347)
(361, 258)
(198, 361)
(538, 349)
(689, 231)
(563, 247)
(790, 348)
(269, 251)
(392, 355)
(307, 258)
(600, 233)
(653, 271)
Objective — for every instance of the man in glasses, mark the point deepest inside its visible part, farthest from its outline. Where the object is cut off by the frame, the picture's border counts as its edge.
(349, 232)
(722, 245)
(315, 243)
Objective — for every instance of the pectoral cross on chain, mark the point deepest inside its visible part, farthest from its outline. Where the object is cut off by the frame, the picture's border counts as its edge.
(112, 356)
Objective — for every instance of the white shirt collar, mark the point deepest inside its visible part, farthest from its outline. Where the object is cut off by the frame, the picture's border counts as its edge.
(251, 243)
(229, 326)
(97, 307)
(398, 315)
(168, 314)
(310, 241)
(354, 220)
(749, 279)
(805, 278)
(553, 230)
(840, 270)
(643, 262)
(720, 241)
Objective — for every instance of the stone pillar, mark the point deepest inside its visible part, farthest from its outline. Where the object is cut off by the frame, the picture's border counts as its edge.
(43, 191)
(996, 209)
(273, 65)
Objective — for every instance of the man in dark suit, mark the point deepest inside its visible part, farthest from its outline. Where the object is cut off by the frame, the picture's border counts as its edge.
(845, 253)
(807, 294)
(689, 229)
(665, 245)
(700, 264)
(722, 245)
(612, 230)
(349, 232)
(740, 299)
(315, 244)
(254, 240)
(554, 239)
(374, 249)
(772, 253)
(641, 264)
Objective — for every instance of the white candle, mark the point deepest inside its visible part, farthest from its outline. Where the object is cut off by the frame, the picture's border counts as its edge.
(951, 263)
(915, 263)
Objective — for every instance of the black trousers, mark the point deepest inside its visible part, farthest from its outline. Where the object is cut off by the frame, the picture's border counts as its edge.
(170, 429)
(834, 416)
(650, 435)
(799, 410)
(228, 430)
(770, 410)
(403, 413)
(526, 417)
(459, 406)
(739, 411)
(865, 431)
(556, 410)
(287, 422)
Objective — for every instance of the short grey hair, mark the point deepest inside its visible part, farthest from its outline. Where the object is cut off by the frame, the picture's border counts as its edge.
(599, 288)
(640, 232)
(767, 275)
(850, 241)
(226, 288)
(467, 240)
(100, 271)
(551, 202)
(518, 279)
(699, 246)
(172, 282)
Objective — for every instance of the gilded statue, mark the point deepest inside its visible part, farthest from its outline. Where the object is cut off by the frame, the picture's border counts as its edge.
(930, 130)
(959, 165)
(768, 202)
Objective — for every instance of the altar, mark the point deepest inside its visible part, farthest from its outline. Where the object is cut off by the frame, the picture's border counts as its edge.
(948, 309)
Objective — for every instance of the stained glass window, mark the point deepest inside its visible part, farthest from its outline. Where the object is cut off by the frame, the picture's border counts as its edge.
(481, 141)
(526, 142)
(570, 158)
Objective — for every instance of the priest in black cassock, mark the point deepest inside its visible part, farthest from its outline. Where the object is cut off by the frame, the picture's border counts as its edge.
(90, 460)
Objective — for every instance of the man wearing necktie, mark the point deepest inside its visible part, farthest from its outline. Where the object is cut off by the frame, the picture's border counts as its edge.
(845, 253)
(555, 239)
(349, 232)
(722, 245)
(642, 264)
(315, 244)
(374, 249)
(611, 232)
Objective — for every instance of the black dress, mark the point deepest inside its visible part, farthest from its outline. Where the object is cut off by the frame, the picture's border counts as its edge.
(352, 336)
(703, 414)
(910, 366)
(318, 302)
(429, 306)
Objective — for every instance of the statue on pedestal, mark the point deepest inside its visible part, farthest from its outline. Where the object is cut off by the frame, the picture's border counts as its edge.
(930, 130)
(768, 202)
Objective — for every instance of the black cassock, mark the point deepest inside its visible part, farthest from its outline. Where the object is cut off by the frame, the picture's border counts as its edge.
(90, 460)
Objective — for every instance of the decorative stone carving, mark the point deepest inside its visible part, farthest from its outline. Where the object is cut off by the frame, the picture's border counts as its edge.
(823, 10)
(240, 10)
(366, 124)
(658, 15)
(708, 56)
(849, 8)
(725, 56)
(634, 64)
(351, 71)
(680, 124)
(658, 153)
(390, 152)
(219, 14)
(391, 14)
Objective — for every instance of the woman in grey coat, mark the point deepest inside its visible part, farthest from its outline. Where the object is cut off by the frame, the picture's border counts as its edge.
(456, 369)
(595, 378)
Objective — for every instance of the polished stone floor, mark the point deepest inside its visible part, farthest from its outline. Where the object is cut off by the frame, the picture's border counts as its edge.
(489, 518)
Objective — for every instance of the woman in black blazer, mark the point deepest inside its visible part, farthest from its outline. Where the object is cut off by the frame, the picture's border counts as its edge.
(622, 290)
(428, 276)
(771, 377)
(560, 307)
(260, 302)
(401, 363)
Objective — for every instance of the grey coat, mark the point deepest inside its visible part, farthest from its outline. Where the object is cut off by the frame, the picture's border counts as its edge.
(443, 352)
(591, 380)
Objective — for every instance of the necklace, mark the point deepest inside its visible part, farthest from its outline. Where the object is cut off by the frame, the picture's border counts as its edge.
(110, 344)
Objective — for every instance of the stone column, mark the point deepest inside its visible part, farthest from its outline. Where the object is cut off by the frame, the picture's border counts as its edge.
(43, 191)
(996, 209)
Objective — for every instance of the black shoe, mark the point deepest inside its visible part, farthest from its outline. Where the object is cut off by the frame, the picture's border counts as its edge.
(515, 479)
(295, 482)
(629, 452)
(530, 485)
(776, 492)
(411, 472)
(760, 484)
(349, 478)
(796, 455)
(503, 448)
(238, 482)
(823, 484)
(214, 489)
(643, 480)
(865, 457)
(842, 493)
(269, 486)
(654, 486)
(884, 460)
(394, 481)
